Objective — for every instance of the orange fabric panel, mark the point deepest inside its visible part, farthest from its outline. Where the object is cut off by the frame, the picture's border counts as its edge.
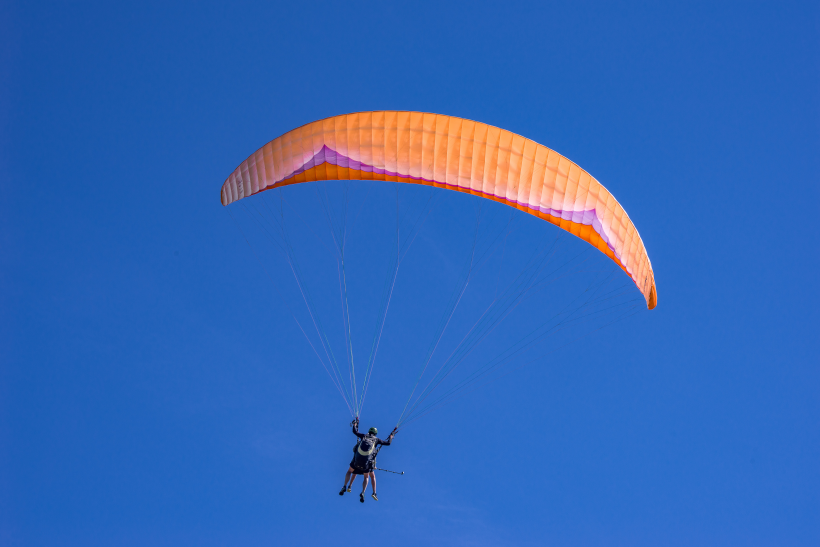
(454, 153)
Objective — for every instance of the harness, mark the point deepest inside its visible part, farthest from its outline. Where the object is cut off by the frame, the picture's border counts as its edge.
(376, 453)
(368, 452)
(373, 453)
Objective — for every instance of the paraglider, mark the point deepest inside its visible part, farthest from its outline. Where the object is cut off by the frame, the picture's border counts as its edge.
(364, 459)
(465, 156)
(457, 154)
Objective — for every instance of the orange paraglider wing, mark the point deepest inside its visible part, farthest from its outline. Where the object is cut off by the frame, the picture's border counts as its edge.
(457, 154)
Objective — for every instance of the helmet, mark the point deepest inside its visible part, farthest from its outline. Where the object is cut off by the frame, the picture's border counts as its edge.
(372, 430)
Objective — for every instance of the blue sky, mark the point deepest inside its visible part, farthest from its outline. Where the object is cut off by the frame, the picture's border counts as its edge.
(154, 391)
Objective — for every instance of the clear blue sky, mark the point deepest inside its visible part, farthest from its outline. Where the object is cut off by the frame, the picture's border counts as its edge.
(154, 392)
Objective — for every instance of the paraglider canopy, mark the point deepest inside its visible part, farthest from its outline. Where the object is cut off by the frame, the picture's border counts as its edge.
(457, 154)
